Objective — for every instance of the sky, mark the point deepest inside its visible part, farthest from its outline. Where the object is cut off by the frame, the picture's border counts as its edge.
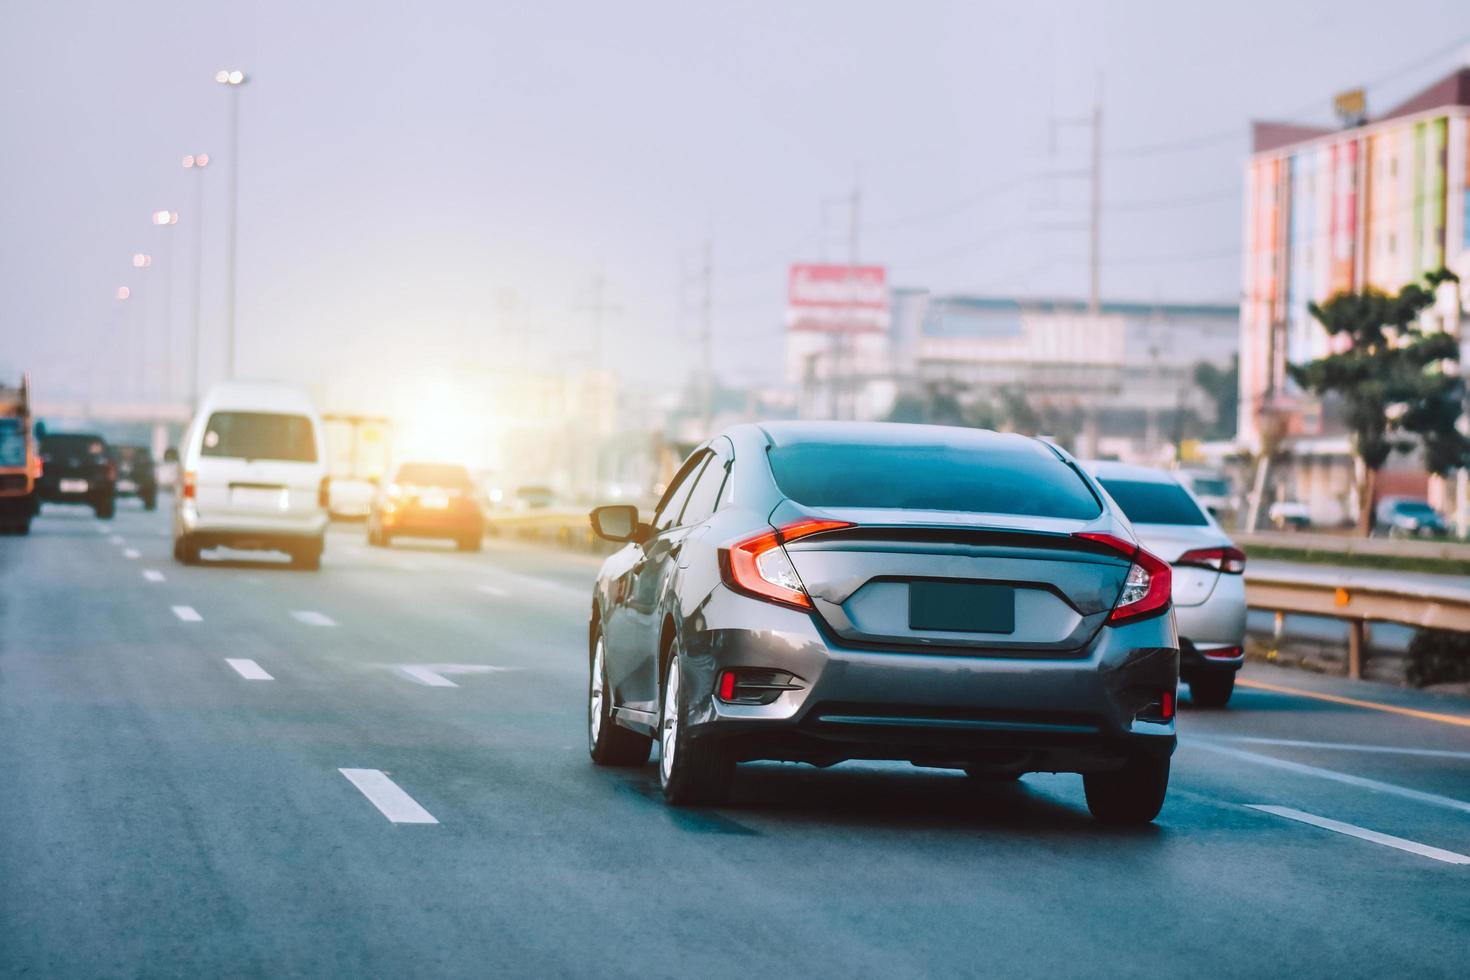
(434, 185)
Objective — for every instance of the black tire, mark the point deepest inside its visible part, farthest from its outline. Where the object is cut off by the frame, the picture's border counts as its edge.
(608, 743)
(1212, 690)
(186, 552)
(104, 509)
(1131, 795)
(23, 526)
(469, 544)
(150, 502)
(701, 769)
(308, 557)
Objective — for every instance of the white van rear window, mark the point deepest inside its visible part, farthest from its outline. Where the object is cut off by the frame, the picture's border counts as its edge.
(260, 435)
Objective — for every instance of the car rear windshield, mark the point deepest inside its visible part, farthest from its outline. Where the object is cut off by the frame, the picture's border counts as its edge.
(12, 441)
(1415, 508)
(434, 475)
(73, 445)
(1146, 502)
(1024, 479)
(260, 435)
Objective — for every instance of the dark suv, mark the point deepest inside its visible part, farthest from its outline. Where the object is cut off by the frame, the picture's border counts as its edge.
(135, 475)
(77, 469)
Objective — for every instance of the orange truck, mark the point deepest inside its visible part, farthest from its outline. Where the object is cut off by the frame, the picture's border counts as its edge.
(20, 463)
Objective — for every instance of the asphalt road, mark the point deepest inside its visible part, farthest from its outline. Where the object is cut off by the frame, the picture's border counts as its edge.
(164, 814)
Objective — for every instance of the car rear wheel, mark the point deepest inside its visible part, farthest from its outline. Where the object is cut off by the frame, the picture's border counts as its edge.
(691, 771)
(186, 552)
(104, 509)
(308, 557)
(609, 743)
(150, 502)
(1133, 794)
(1212, 690)
(471, 543)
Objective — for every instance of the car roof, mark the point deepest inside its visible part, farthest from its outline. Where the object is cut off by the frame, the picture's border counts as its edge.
(893, 434)
(1109, 470)
(258, 396)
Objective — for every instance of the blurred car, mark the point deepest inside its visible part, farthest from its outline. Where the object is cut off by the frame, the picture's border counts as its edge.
(135, 474)
(1209, 587)
(167, 472)
(1289, 515)
(1408, 517)
(77, 468)
(824, 591)
(533, 498)
(254, 475)
(351, 498)
(1211, 489)
(20, 460)
(428, 500)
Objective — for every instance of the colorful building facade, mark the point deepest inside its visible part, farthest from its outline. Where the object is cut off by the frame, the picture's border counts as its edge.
(1376, 205)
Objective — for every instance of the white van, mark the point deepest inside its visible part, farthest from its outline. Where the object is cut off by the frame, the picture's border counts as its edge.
(253, 474)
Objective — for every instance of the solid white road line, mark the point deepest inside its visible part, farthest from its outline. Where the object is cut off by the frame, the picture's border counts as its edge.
(187, 614)
(384, 794)
(1339, 746)
(249, 669)
(1339, 777)
(131, 553)
(311, 618)
(1362, 833)
(153, 575)
(493, 590)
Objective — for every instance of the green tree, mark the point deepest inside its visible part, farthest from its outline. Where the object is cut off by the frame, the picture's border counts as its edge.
(1392, 380)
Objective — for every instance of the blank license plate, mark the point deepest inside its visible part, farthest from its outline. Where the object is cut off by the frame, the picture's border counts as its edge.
(126, 486)
(73, 486)
(258, 498)
(962, 607)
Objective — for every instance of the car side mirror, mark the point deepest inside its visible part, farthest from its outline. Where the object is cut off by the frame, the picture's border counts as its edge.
(618, 522)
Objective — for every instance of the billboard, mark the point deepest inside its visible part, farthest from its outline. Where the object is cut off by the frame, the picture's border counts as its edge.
(837, 298)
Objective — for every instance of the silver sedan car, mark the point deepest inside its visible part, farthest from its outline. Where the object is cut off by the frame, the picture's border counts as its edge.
(818, 592)
(1209, 587)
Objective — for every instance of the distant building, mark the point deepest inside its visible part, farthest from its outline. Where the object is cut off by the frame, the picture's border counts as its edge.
(1379, 204)
(1121, 378)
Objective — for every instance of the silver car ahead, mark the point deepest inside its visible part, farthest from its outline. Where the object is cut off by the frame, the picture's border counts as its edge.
(1209, 587)
(818, 592)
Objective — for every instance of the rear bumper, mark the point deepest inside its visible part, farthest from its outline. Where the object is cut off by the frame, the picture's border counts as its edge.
(1028, 713)
(247, 531)
(1215, 625)
(433, 524)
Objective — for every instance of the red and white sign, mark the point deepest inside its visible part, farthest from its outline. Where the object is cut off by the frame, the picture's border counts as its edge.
(837, 298)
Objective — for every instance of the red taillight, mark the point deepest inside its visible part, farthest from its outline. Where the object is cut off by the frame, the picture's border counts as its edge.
(323, 491)
(727, 685)
(112, 471)
(189, 486)
(1166, 706)
(1229, 560)
(1222, 653)
(37, 467)
(1148, 586)
(758, 566)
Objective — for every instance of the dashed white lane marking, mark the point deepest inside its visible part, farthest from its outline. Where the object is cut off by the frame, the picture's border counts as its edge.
(432, 675)
(187, 614)
(1337, 746)
(153, 575)
(249, 669)
(131, 553)
(385, 794)
(493, 590)
(1362, 833)
(1339, 777)
(312, 618)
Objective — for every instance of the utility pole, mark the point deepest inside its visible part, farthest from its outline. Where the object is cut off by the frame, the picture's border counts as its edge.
(1094, 292)
(232, 80)
(706, 338)
(854, 239)
(196, 162)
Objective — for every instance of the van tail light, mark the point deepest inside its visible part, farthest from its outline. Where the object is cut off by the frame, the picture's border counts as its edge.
(112, 471)
(1228, 560)
(37, 467)
(190, 485)
(1149, 585)
(758, 566)
(323, 491)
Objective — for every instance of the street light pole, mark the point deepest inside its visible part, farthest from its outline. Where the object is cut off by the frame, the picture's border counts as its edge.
(196, 162)
(141, 261)
(165, 220)
(232, 80)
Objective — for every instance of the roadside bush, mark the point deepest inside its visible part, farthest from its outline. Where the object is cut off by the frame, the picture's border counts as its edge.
(1437, 657)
